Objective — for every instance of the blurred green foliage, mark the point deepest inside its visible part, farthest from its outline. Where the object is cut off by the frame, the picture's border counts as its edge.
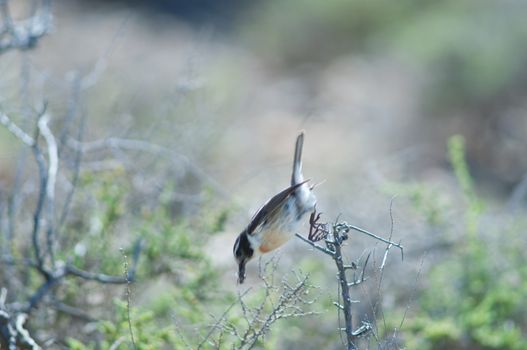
(425, 200)
(180, 288)
(148, 334)
(471, 51)
(475, 299)
(172, 264)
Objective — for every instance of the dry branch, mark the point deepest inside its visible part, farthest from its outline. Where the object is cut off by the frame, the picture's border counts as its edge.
(53, 272)
(334, 236)
(13, 335)
(24, 34)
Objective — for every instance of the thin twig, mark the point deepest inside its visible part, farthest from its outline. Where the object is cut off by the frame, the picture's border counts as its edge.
(277, 312)
(218, 322)
(334, 241)
(98, 277)
(91, 78)
(128, 298)
(72, 111)
(344, 290)
(72, 311)
(15, 130)
(144, 146)
(53, 278)
(414, 290)
(398, 245)
(76, 172)
(316, 246)
(381, 268)
(53, 165)
(3, 297)
(25, 34)
(117, 343)
(43, 181)
(24, 334)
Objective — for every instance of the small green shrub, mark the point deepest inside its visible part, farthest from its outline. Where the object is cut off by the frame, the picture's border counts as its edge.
(148, 334)
(474, 299)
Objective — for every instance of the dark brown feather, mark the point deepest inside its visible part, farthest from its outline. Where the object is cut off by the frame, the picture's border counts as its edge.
(271, 206)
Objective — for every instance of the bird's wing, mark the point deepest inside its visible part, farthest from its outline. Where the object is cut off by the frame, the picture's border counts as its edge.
(272, 205)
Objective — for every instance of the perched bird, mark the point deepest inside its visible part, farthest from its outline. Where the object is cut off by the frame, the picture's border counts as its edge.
(276, 221)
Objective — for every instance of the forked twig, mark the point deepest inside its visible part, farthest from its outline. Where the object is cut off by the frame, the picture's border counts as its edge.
(333, 238)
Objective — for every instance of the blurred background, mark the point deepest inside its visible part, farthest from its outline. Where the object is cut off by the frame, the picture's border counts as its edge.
(380, 88)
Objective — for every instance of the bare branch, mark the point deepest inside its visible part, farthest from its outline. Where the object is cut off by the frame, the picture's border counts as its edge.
(76, 172)
(13, 335)
(334, 240)
(362, 277)
(289, 296)
(316, 246)
(344, 289)
(9, 260)
(389, 238)
(117, 343)
(72, 311)
(15, 130)
(53, 165)
(92, 77)
(98, 277)
(216, 325)
(52, 154)
(128, 298)
(20, 321)
(398, 245)
(53, 278)
(24, 34)
(414, 290)
(43, 181)
(144, 146)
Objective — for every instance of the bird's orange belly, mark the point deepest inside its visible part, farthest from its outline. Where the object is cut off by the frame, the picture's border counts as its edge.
(273, 239)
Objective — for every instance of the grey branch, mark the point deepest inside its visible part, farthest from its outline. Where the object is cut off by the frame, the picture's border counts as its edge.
(316, 246)
(344, 289)
(51, 178)
(148, 147)
(387, 241)
(15, 130)
(13, 335)
(24, 34)
(334, 240)
(52, 156)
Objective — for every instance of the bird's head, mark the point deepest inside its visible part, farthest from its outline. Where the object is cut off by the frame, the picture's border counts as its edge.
(242, 253)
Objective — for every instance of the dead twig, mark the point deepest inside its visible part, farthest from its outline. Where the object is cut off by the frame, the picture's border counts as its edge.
(128, 298)
(177, 159)
(24, 34)
(51, 179)
(16, 130)
(217, 325)
(334, 236)
(13, 335)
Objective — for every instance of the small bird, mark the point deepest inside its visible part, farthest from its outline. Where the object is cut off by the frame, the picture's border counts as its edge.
(276, 221)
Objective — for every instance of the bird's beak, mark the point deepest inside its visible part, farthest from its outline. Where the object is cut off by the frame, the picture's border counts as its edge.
(241, 271)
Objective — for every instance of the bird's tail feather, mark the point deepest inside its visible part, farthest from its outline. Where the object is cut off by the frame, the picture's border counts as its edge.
(297, 176)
